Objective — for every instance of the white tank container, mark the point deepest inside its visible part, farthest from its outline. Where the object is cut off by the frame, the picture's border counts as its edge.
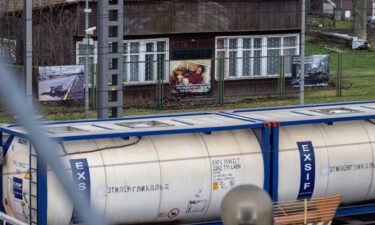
(344, 160)
(158, 179)
(184, 177)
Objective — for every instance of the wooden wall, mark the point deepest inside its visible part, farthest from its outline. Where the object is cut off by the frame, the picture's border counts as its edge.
(197, 16)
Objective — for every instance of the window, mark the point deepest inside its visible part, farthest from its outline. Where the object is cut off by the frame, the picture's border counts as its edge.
(39, 3)
(255, 56)
(8, 50)
(81, 48)
(145, 61)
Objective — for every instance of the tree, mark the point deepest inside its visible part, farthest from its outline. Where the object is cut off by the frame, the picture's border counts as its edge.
(360, 19)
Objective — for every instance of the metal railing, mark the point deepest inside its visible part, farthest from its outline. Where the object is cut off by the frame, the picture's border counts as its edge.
(8, 220)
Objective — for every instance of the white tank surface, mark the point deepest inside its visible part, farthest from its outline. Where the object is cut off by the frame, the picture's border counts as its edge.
(154, 179)
(332, 159)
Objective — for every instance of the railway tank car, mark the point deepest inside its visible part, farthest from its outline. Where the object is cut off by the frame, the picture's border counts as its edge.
(183, 177)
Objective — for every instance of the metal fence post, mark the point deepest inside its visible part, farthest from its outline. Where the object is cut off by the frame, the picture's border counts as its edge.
(281, 80)
(159, 85)
(221, 81)
(93, 96)
(339, 75)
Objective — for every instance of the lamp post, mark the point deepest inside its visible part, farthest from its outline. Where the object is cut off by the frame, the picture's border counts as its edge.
(28, 50)
(302, 71)
(87, 32)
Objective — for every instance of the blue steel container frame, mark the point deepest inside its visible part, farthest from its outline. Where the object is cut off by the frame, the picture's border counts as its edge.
(5, 149)
(42, 187)
(1, 171)
(208, 223)
(265, 145)
(269, 145)
(274, 177)
(303, 106)
(274, 139)
(42, 165)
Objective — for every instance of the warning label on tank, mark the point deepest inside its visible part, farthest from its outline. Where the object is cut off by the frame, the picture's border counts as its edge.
(196, 206)
(17, 187)
(223, 172)
(20, 164)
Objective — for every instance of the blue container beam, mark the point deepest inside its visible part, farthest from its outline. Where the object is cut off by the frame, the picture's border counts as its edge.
(355, 210)
(41, 191)
(266, 151)
(274, 161)
(1, 171)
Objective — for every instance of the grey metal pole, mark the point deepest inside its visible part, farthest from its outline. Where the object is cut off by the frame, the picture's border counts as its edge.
(110, 58)
(87, 13)
(28, 50)
(302, 71)
(46, 149)
(102, 84)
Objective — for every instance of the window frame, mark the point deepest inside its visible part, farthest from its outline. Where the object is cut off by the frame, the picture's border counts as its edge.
(94, 56)
(8, 48)
(142, 61)
(92, 77)
(264, 54)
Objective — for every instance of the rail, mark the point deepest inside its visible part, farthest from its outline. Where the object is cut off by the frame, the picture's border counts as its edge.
(8, 220)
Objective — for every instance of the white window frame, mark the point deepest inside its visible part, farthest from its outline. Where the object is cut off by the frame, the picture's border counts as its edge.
(92, 78)
(8, 49)
(94, 56)
(240, 54)
(142, 54)
(142, 63)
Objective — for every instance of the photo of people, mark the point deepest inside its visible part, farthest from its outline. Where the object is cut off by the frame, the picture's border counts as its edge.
(190, 77)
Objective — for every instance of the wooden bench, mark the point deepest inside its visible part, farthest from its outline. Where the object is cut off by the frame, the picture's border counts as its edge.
(309, 211)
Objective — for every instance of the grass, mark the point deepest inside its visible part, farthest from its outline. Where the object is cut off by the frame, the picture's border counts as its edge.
(329, 24)
(344, 25)
(358, 80)
(358, 74)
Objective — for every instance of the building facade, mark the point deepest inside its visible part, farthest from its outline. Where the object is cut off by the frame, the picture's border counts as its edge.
(240, 42)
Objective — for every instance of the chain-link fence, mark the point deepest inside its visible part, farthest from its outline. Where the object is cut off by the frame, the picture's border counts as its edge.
(232, 82)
